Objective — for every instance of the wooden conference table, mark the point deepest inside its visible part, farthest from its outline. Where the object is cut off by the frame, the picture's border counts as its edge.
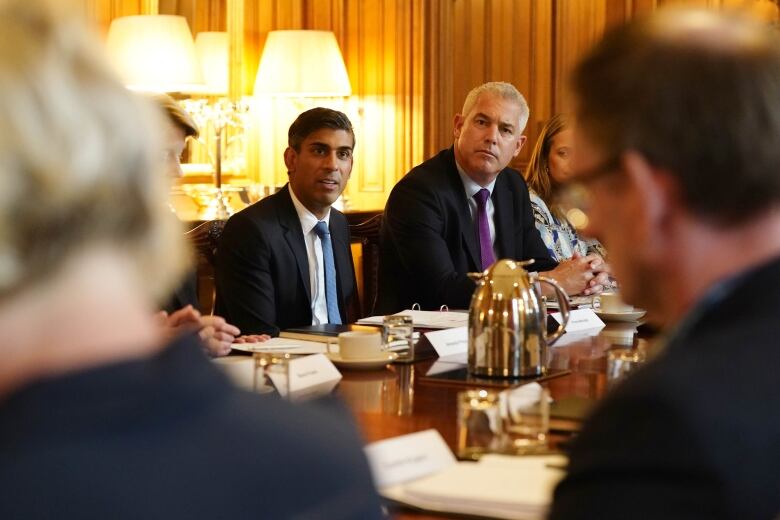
(400, 399)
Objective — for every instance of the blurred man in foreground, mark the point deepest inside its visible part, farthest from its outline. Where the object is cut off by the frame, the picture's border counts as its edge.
(679, 124)
(99, 417)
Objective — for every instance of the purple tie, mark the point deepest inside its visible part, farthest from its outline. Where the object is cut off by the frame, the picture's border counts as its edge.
(485, 244)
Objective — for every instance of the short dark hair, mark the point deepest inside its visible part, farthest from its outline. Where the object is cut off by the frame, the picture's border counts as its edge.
(698, 94)
(316, 119)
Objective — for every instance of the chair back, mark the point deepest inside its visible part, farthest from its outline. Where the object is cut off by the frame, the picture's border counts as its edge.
(366, 233)
(204, 239)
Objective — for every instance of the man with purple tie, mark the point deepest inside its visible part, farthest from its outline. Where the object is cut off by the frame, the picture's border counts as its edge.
(462, 209)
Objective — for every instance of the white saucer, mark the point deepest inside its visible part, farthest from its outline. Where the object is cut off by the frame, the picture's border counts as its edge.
(620, 316)
(377, 361)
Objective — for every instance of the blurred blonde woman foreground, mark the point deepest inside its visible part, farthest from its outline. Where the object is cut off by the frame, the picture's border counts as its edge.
(100, 416)
(548, 170)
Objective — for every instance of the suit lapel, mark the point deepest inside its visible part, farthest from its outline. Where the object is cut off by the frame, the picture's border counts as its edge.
(293, 235)
(467, 227)
(502, 204)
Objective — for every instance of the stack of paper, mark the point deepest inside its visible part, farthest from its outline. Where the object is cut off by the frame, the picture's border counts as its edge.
(426, 319)
(418, 469)
(284, 345)
(497, 486)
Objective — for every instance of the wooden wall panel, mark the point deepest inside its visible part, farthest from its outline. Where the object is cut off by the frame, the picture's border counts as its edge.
(101, 12)
(202, 15)
(411, 63)
(439, 73)
(479, 41)
(578, 26)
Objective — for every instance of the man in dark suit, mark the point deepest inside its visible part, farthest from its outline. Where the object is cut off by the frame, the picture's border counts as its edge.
(461, 210)
(678, 125)
(285, 261)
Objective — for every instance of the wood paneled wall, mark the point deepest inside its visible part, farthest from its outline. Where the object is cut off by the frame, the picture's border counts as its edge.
(411, 63)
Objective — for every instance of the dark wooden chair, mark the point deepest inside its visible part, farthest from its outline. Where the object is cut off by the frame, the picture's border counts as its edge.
(204, 239)
(366, 233)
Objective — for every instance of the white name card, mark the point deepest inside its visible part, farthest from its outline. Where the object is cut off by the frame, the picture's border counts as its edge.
(306, 376)
(448, 342)
(408, 457)
(580, 319)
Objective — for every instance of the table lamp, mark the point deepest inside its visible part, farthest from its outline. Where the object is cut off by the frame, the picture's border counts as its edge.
(154, 53)
(302, 64)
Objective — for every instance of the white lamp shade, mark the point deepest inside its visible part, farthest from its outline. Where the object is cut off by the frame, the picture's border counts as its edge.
(212, 49)
(155, 53)
(302, 63)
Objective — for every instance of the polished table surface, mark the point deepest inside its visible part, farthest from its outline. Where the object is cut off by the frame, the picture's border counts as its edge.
(397, 400)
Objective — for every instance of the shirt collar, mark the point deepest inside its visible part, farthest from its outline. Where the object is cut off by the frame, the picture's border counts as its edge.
(307, 218)
(469, 185)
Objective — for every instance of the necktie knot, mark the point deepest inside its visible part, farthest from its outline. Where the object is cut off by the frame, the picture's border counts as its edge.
(321, 229)
(481, 197)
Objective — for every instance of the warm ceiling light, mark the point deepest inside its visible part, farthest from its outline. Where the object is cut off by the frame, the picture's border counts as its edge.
(302, 63)
(155, 53)
(212, 49)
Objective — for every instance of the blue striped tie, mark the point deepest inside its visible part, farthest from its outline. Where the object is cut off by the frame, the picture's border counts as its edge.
(331, 296)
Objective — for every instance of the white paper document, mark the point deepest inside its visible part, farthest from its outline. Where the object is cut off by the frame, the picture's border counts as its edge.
(583, 302)
(449, 342)
(497, 486)
(419, 469)
(426, 319)
(305, 377)
(579, 320)
(291, 346)
(408, 457)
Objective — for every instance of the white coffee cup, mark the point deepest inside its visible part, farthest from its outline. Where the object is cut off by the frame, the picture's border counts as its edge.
(610, 302)
(359, 344)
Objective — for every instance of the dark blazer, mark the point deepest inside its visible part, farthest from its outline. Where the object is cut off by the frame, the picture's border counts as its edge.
(170, 437)
(185, 294)
(262, 271)
(429, 240)
(696, 433)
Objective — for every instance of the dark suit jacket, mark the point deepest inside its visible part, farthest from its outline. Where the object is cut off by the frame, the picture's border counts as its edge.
(696, 433)
(185, 294)
(169, 437)
(429, 240)
(262, 271)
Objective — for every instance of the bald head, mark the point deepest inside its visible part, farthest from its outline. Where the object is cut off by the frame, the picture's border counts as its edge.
(696, 93)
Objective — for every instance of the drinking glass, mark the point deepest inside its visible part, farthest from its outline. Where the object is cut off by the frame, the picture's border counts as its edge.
(525, 416)
(267, 363)
(398, 335)
(479, 423)
(621, 362)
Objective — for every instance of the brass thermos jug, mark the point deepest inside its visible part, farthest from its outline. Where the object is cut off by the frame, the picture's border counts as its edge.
(508, 322)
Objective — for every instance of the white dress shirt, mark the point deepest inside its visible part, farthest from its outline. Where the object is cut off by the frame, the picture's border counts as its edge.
(472, 188)
(319, 304)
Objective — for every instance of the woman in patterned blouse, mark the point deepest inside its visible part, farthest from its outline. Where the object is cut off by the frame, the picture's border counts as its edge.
(548, 170)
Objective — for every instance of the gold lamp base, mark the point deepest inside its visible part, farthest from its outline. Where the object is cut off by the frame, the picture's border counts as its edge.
(213, 203)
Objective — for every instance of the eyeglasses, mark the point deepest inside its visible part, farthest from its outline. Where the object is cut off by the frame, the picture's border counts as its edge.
(602, 169)
(576, 196)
